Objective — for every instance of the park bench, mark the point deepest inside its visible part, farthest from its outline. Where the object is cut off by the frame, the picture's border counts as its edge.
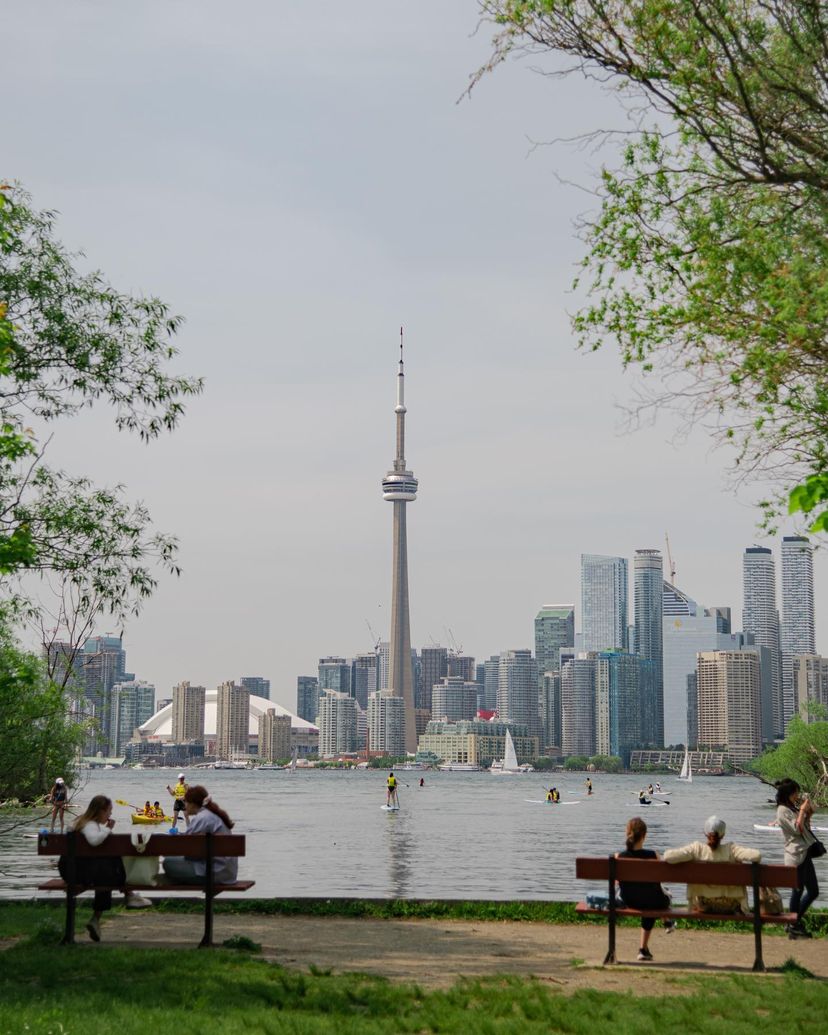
(751, 875)
(194, 846)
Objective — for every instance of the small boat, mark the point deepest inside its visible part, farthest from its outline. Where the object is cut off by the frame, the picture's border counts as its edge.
(459, 767)
(686, 774)
(509, 765)
(138, 817)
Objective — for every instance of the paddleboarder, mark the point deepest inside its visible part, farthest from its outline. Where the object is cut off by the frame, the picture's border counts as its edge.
(391, 797)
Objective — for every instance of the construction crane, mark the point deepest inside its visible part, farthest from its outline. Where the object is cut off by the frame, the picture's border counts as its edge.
(376, 640)
(670, 561)
(455, 647)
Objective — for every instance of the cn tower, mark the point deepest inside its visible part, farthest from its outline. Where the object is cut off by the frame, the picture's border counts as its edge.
(400, 487)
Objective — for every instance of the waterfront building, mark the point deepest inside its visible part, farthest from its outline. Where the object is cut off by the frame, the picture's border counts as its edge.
(476, 741)
(188, 703)
(257, 685)
(274, 736)
(551, 737)
(307, 697)
(604, 600)
(729, 703)
(337, 724)
(132, 703)
(760, 619)
(400, 488)
(433, 668)
(491, 678)
(578, 694)
(233, 703)
(453, 699)
(103, 664)
(810, 684)
(625, 690)
(335, 674)
(648, 570)
(554, 629)
(387, 723)
(517, 690)
(364, 673)
(797, 629)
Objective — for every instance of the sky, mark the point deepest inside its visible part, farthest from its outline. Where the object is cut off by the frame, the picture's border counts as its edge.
(299, 180)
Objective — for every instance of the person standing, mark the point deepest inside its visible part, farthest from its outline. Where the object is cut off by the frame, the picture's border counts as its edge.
(640, 894)
(391, 797)
(57, 796)
(178, 792)
(793, 814)
(589, 786)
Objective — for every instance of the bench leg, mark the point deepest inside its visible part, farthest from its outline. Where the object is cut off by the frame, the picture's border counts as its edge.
(69, 931)
(610, 956)
(207, 941)
(758, 962)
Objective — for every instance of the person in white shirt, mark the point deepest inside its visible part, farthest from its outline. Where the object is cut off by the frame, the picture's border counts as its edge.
(96, 825)
(203, 816)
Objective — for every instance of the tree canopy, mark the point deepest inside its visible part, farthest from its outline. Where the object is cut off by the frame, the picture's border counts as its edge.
(802, 756)
(707, 262)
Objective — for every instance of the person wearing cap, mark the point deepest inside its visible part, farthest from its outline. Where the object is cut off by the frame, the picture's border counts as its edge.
(57, 796)
(178, 793)
(715, 898)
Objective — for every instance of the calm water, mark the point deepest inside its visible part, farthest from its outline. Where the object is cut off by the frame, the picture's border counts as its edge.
(463, 835)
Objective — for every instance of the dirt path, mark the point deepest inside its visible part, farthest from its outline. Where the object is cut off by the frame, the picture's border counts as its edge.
(435, 953)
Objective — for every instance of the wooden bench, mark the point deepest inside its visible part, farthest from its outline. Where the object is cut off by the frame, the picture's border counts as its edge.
(194, 846)
(750, 875)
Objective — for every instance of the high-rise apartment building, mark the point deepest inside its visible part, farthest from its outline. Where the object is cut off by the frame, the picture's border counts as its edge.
(232, 721)
(797, 629)
(257, 685)
(491, 678)
(578, 700)
(384, 653)
(461, 665)
(386, 723)
(188, 703)
(517, 690)
(810, 684)
(335, 674)
(274, 736)
(103, 663)
(604, 602)
(132, 704)
(337, 724)
(454, 699)
(434, 667)
(729, 703)
(307, 698)
(648, 570)
(760, 619)
(625, 687)
(551, 737)
(554, 629)
(364, 677)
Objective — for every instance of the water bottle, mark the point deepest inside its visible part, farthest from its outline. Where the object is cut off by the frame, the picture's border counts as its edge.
(173, 830)
(43, 835)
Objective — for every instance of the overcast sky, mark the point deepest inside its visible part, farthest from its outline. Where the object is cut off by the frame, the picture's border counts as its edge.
(298, 180)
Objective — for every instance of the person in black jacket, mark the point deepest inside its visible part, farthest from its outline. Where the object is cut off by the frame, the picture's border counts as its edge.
(642, 895)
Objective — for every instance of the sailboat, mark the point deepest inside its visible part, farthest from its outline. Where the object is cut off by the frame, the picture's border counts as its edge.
(509, 764)
(686, 774)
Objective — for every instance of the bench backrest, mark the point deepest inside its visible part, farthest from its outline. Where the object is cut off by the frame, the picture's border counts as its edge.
(194, 846)
(656, 871)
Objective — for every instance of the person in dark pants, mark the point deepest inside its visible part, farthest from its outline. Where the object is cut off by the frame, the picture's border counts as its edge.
(638, 895)
(793, 814)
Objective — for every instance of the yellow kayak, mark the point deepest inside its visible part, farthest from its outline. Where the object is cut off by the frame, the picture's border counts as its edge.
(151, 820)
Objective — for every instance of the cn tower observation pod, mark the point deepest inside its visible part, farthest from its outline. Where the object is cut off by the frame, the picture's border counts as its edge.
(399, 485)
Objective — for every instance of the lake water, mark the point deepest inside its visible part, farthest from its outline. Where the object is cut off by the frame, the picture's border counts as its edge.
(463, 835)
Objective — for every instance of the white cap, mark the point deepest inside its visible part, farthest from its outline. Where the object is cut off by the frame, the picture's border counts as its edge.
(714, 825)
(59, 780)
(180, 776)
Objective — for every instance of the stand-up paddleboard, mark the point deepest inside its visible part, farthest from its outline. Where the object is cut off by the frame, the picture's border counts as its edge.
(652, 804)
(770, 826)
(539, 801)
(390, 808)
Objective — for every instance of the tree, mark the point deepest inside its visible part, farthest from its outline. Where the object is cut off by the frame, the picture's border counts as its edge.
(38, 739)
(708, 260)
(607, 763)
(803, 756)
(67, 341)
(576, 762)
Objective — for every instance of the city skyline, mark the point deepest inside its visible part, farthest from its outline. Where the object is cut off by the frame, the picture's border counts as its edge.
(307, 266)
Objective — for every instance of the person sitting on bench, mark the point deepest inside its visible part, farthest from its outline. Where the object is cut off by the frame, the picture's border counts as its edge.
(640, 895)
(203, 816)
(710, 898)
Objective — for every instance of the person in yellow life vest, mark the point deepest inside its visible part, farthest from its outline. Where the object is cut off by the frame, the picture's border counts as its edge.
(157, 811)
(147, 809)
(391, 791)
(178, 793)
(556, 795)
(550, 795)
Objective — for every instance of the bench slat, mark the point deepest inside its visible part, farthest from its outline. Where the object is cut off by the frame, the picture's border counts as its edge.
(688, 914)
(656, 871)
(56, 884)
(192, 845)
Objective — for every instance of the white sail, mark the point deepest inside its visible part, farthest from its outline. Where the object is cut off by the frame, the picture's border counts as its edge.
(686, 773)
(510, 762)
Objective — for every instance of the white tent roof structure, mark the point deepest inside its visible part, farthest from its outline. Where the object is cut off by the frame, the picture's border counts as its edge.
(160, 725)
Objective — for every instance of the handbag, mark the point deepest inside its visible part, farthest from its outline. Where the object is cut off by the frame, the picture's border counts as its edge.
(141, 869)
(770, 901)
(817, 849)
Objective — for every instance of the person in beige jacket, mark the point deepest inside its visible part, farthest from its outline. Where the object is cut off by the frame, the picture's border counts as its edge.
(715, 898)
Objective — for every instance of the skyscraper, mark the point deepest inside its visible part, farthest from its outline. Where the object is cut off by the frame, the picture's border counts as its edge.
(335, 674)
(648, 570)
(810, 684)
(454, 699)
(103, 664)
(578, 700)
(274, 736)
(257, 685)
(761, 619)
(337, 723)
(797, 632)
(188, 703)
(386, 723)
(400, 488)
(132, 704)
(729, 703)
(434, 667)
(307, 697)
(232, 720)
(554, 628)
(364, 677)
(491, 676)
(624, 688)
(517, 690)
(604, 597)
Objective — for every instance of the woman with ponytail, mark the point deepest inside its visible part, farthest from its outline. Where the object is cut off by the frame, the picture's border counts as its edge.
(713, 898)
(642, 895)
(203, 816)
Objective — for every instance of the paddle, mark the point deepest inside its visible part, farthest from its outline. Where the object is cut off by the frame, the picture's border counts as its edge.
(129, 805)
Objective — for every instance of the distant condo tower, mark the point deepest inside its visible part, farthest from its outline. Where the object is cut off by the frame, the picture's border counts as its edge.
(400, 487)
